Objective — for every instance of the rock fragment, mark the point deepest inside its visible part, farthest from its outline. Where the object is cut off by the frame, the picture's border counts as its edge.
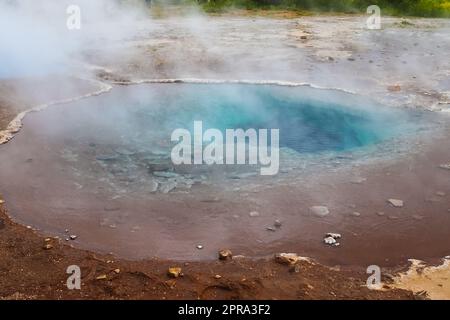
(289, 258)
(225, 254)
(174, 272)
(254, 214)
(396, 202)
(331, 239)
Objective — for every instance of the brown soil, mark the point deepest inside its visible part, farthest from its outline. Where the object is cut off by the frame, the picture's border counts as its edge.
(28, 271)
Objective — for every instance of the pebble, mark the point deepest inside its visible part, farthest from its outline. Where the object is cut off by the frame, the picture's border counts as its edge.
(320, 211)
(445, 166)
(217, 276)
(288, 258)
(277, 224)
(356, 214)
(334, 235)
(254, 214)
(2, 201)
(199, 247)
(396, 203)
(73, 237)
(271, 229)
(380, 213)
(225, 254)
(117, 271)
(48, 246)
(331, 239)
(174, 272)
(440, 194)
(101, 277)
(417, 217)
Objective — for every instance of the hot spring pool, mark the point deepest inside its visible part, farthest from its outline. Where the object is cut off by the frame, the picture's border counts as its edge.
(102, 168)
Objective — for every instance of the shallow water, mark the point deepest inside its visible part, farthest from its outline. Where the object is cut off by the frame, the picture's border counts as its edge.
(100, 167)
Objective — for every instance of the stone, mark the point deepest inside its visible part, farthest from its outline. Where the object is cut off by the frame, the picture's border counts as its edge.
(288, 258)
(199, 247)
(101, 277)
(329, 240)
(271, 229)
(174, 272)
(217, 276)
(320, 211)
(225, 254)
(396, 203)
(356, 214)
(117, 271)
(380, 213)
(47, 246)
(277, 224)
(254, 214)
(2, 201)
(445, 166)
(441, 194)
(334, 235)
(73, 237)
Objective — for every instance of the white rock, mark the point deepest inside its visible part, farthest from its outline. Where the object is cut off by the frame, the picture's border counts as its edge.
(396, 203)
(320, 211)
(333, 235)
(254, 214)
(329, 240)
(289, 258)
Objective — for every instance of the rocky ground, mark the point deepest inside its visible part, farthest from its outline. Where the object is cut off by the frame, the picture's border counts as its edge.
(405, 64)
(34, 267)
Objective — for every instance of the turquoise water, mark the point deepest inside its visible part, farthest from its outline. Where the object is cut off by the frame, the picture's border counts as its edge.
(143, 117)
(309, 120)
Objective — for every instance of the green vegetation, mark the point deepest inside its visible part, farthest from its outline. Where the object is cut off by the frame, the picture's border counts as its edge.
(421, 8)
